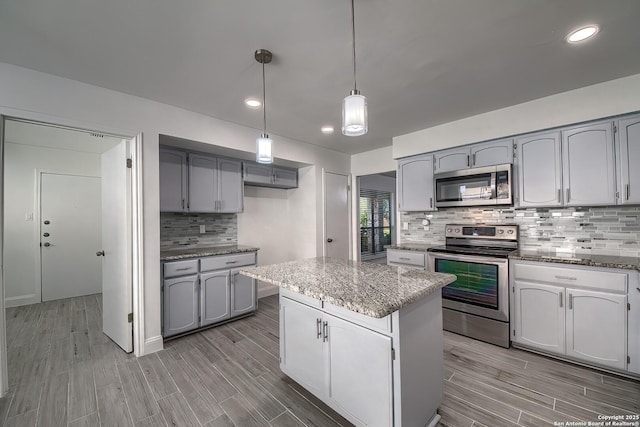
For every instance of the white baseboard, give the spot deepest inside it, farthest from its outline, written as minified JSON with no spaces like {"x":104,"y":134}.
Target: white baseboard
{"x":268,"y":291}
{"x":151,"y":345}
{"x":21,"y":300}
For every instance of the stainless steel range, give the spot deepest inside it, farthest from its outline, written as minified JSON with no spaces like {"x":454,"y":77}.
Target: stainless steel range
{"x":477,"y":303}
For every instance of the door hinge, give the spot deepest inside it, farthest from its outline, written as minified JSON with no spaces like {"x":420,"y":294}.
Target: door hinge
{"x":514,"y":332}
{"x":130,"y":318}
{"x":513,"y":289}
{"x":515,"y":147}
{"x":393,"y":354}
{"x":628,"y":306}
{"x":628,"y":359}
{"x":615,"y":128}
{"x":129,"y":163}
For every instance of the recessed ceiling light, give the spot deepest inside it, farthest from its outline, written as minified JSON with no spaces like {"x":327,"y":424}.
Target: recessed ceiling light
{"x":583,"y":33}
{"x":326,"y":129}
{"x":252,"y":102}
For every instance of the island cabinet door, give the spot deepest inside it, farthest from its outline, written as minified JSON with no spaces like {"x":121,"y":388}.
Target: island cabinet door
{"x":359,"y":373}
{"x":301,"y":355}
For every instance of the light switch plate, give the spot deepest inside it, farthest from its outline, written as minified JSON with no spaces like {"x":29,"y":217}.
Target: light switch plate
{"x":405,"y":225}
{"x":28,"y":216}
{"x":203,"y":229}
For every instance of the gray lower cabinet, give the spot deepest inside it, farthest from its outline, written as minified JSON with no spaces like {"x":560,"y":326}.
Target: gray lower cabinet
{"x":214,"y":294}
{"x":180,"y":313}
{"x":215,"y":299}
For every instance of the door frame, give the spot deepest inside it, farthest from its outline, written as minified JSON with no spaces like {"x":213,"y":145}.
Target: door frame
{"x":324,"y":212}
{"x":38,"y":223}
{"x":136,"y":218}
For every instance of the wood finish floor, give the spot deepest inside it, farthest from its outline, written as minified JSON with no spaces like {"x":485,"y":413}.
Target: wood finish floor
{"x":64,"y":371}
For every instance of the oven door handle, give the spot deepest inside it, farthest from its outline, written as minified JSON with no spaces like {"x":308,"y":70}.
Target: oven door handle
{"x":465,"y":258}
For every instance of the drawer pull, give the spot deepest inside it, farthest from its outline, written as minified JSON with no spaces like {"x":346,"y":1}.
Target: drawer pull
{"x":405,"y":259}
{"x":567,"y":277}
{"x":184,"y":268}
{"x":318,"y":328}
{"x":325,"y":336}
{"x":561,"y":298}
{"x":231,"y":262}
{"x":559,"y":195}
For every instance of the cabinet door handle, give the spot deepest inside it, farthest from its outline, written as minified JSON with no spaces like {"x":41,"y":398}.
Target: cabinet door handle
{"x":318,"y":328}
{"x":325,"y":335}
{"x":231,"y":262}
{"x":468,"y":161}
{"x":627,"y":191}
{"x":473,"y":159}
{"x":405,"y":259}
{"x":430,"y":202}
{"x":561,"y":298}
{"x":183,"y":269}
{"x":182,"y":203}
{"x":567,"y":277}
{"x":568,"y":194}
{"x":570,"y":302}
{"x":559,"y":195}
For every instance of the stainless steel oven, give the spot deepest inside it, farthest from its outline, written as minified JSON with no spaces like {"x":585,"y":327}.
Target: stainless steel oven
{"x":477,"y":303}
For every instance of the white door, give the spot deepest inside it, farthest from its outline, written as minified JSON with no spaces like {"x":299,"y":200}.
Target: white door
{"x":117,"y":247}
{"x":597,"y":327}
{"x":336,"y":215}
{"x":70,"y":217}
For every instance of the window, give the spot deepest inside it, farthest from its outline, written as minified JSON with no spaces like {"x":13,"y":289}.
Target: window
{"x":376,"y":223}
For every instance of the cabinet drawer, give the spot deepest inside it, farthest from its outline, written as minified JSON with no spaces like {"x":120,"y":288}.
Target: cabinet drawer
{"x":180,"y":268}
{"x":415,"y":259}
{"x":227,"y":261}
{"x":579,"y":277}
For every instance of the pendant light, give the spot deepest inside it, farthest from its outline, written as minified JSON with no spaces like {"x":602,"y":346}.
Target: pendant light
{"x":264,"y":144}
{"x":354,"y":106}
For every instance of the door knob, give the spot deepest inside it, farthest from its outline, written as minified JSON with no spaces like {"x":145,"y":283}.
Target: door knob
{"x":47,"y":244}
{"x":100,"y":253}
{"x":46,"y":234}
{"x":329,"y":240}
{"x":47,"y":222}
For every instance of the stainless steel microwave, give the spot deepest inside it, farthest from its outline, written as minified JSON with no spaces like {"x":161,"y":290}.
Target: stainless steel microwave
{"x":486,"y":186}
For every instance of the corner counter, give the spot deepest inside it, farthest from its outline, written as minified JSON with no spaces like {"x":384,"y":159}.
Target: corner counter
{"x":364,"y":338}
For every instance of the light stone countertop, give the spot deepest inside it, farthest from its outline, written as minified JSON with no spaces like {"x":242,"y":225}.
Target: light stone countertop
{"x":178,"y":254}
{"x":417,"y":247}
{"x":372,"y":289}
{"x":590,"y":260}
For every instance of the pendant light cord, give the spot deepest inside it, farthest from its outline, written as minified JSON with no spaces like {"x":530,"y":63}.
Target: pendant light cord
{"x":353,"y":34}
{"x":264,"y":99}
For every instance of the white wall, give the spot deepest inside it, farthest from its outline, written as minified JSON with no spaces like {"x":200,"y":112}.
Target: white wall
{"x":27,"y":93}
{"x":592,"y":102}
{"x":374,"y":161}
{"x":20,"y":249}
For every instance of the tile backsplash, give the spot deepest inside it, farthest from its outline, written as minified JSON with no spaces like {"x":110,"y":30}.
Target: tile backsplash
{"x":597,"y":230}
{"x":178,"y":230}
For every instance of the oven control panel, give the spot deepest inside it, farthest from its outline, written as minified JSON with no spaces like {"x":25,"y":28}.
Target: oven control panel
{"x":491,"y":232}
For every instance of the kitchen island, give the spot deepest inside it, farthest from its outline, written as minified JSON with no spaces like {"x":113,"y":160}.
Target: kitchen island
{"x":364,"y":338}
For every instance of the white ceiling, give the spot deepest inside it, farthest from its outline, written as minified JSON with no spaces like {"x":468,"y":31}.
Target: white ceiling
{"x":420,"y":62}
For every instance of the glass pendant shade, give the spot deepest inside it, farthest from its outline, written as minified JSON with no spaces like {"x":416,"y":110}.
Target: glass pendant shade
{"x":354,"y":115}
{"x":264,"y":153}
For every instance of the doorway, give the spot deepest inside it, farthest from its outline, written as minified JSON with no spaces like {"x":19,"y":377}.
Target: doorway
{"x":336,"y":215}
{"x":56,"y":157}
{"x":376,"y":215}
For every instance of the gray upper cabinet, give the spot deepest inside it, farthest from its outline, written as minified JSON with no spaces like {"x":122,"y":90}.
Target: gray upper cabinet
{"x":270,"y":176}
{"x":215,"y":184}
{"x":202,"y":183}
{"x":588,"y":165}
{"x":173,"y":180}
{"x":452,"y":160}
{"x":230,"y":188}
{"x":539,"y":170}
{"x":415,"y":183}
{"x":629,"y":159}
{"x":492,"y":153}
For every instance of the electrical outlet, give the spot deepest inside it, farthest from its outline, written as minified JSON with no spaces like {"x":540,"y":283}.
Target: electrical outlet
{"x":202,"y":229}
{"x":405,"y":225}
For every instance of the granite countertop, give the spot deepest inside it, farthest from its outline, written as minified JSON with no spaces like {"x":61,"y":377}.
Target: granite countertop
{"x":591,"y":260}
{"x":182,"y":253}
{"x":372,"y":289}
{"x":418,"y":247}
